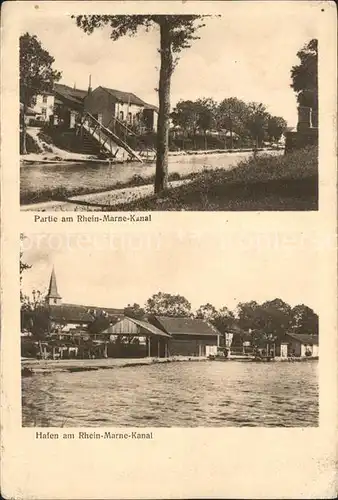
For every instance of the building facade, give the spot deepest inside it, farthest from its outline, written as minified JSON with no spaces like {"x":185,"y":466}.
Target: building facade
{"x":105,"y":104}
{"x":188,"y":336}
{"x":299,"y":346}
{"x":43,"y":106}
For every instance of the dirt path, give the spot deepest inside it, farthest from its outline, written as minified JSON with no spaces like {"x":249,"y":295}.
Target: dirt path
{"x":96,"y":201}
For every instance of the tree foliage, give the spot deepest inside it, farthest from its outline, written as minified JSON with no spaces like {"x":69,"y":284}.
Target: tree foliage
{"x":276,"y":125}
{"x":257,"y":122}
{"x":248,"y":121}
{"x":35,"y":315}
{"x":304,"y":320}
{"x":166,"y":304}
{"x":223,"y":319}
{"x":304,"y":75}
{"x":134,"y":311}
{"x":232,"y":114}
{"x":37,"y":74}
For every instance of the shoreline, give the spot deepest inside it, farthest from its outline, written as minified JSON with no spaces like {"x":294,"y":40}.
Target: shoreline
{"x":69,"y":159}
{"x":32,"y":366}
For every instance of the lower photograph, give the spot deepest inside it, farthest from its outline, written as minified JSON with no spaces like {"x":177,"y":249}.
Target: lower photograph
{"x":182,"y":331}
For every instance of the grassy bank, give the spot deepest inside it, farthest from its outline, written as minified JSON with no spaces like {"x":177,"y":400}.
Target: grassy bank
{"x":288,"y":182}
{"x":63,"y":193}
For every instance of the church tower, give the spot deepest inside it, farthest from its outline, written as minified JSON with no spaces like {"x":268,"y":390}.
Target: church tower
{"x":53,"y":298}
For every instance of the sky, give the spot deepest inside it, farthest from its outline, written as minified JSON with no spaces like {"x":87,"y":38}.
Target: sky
{"x":246,"y":53}
{"x":115,"y":269}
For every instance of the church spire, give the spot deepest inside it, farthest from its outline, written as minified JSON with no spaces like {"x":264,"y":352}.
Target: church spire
{"x":53,"y":297}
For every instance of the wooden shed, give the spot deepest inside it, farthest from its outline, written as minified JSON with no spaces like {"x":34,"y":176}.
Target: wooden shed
{"x":188,"y":336}
{"x":135,"y":338}
{"x":298,"y":345}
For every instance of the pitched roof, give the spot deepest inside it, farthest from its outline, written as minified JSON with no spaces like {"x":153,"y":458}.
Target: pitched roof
{"x":70,"y":312}
{"x":148,"y":326}
{"x":111,"y":311}
{"x":52,"y":290}
{"x":186,"y":326}
{"x":74,"y":96}
{"x":304,"y":338}
{"x":128,"y":97}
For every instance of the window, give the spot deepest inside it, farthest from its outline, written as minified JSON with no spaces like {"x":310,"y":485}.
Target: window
{"x":55,"y":301}
{"x":34,"y":101}
{"x":121,"y":116}
{"x":44,"y":112}
{"x":130,"y":118}
{"x":44,"y":98}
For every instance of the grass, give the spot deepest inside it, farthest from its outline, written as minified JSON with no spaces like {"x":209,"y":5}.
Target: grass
{"x":62,"y":193}
{"x":287,"y":182}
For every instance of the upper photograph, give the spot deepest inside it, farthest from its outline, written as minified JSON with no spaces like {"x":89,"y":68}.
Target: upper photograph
{"x":170,"y":112}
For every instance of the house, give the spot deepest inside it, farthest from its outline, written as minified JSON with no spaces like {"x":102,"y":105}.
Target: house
{"x":105,"y":104}
{"x":132,"y":337}
{"x":69,"y":105}
{"x":188,"y":337}
{"x":298,"y":345}
{"x":43,"y":106}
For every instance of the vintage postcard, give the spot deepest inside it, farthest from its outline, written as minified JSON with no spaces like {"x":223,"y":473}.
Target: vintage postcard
{"x":180,"y":340}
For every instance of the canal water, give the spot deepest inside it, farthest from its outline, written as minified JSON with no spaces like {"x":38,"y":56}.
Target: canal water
{"x":183,"y":394}
{"x":96,"y":176}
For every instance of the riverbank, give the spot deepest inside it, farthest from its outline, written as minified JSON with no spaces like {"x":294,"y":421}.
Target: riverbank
{"x":31,"y":367}
{"x":97,"y":200}
{"x":67,"y":183}
{"x":36,"y":366}
{"x":262,"y":182}
{"x":62,"y":156}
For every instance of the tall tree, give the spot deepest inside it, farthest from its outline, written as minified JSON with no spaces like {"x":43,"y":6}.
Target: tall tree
{"x":166,"y":304}
{"x":176,"y":33}
{"x":257,"y":122}
{"x":276,"y":127}
{"x":276,"y":315}
{"x":185,"y":115}
{"x":36,"y":75}
{"x":250,"y":316}
{"x":206,"y":116}
{"x":304,"y":78}
{"x":35,"y":315}
{"x":304,"y":320}
{"x":232,"y":115}
{"x":224,"y":320}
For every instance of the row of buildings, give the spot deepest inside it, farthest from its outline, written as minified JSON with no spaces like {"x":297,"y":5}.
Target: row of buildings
{"x":88,"y":331}
{"x":64,"y":105}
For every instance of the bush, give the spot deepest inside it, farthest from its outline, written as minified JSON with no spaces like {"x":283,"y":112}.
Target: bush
{"x":175,"y":176}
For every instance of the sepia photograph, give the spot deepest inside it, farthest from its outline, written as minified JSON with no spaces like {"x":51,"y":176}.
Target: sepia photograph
{"x":111,"y":338}
{"x":170,"y":112}
{"x":166,"y":344}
